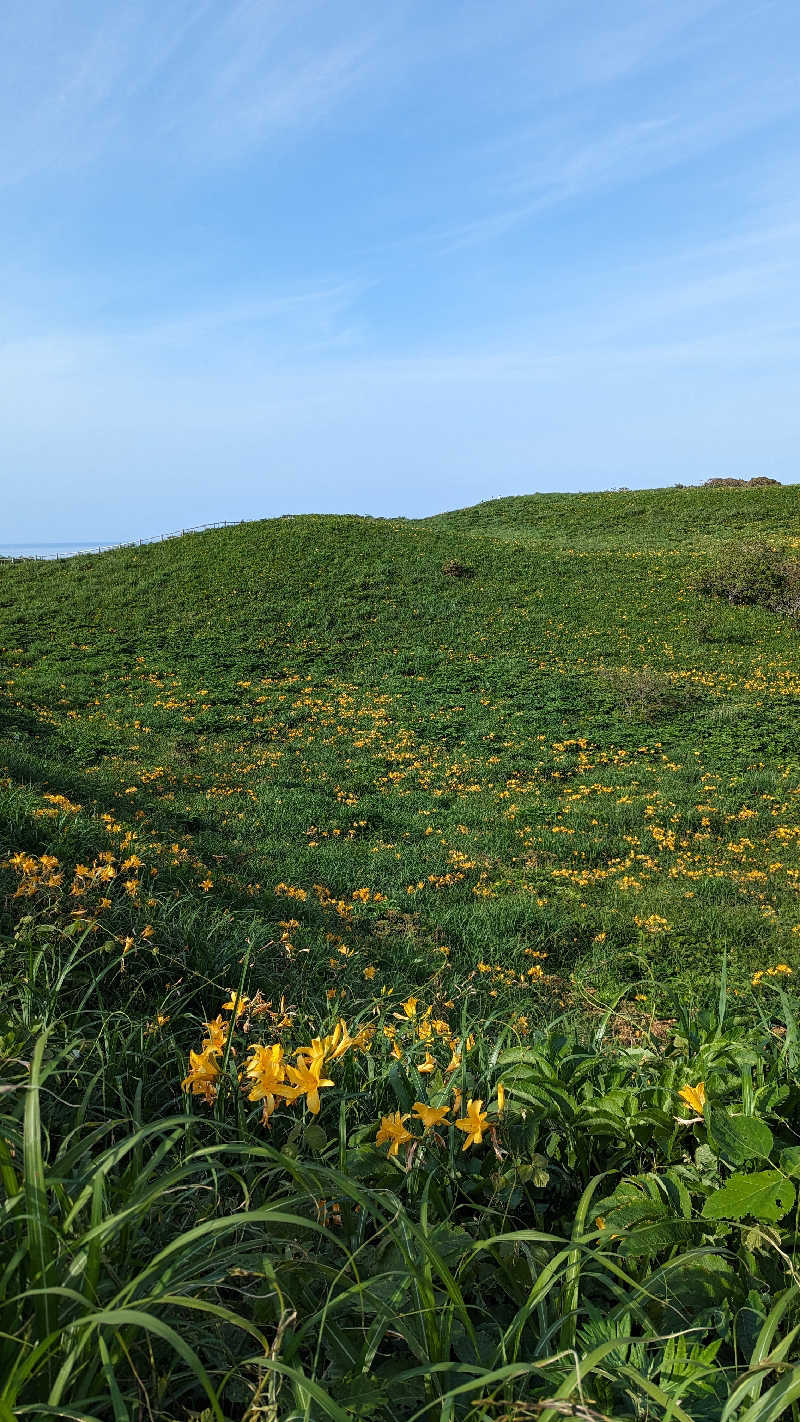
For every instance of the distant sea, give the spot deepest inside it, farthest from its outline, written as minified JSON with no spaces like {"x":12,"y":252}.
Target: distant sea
{"x":48,"y":550}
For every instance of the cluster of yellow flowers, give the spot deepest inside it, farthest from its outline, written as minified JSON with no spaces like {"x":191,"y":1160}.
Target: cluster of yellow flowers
{"x":35,"y":873}
{"x":654,"y":924}
{"x":45,"y":873}
{"x":781,"y":970}
{"x":418,"y":1027}
{"x":270,"y":1075}
{"x":474,"y":1124}
{"x":57,"y":805}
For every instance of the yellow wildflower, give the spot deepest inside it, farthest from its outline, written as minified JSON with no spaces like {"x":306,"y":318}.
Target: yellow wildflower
{"x":431,"y":1115}
{"x":232,"y":1004}
{"x":305,"y":1080}
{"x":392,"y":1128}
{"x":695,"y":1097}
{"x":409,"y":1009}
{"x":473,"y":1124}
{"x":338,"y":1042}
{"x":328,"y":1048}
{"x":203,"y":1074}
{"x":267,"y":1071}
{"x":217,"y":1034}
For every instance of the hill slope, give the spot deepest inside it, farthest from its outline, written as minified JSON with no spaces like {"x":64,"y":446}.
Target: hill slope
{"x":689,"y":518}
{"x":312,"y":700}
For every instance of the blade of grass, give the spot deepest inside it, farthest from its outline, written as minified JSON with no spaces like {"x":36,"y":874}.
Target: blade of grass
{"x":36,"y":1208}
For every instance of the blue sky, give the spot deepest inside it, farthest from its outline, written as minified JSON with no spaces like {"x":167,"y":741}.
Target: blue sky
{"x":272,"y":256}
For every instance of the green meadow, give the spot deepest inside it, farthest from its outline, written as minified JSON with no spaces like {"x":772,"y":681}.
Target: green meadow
{"x":486,"y":828}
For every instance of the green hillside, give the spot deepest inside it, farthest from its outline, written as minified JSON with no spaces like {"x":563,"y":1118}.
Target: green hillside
{"x":483,"y":785}
{"x":685,"y":518}
{"x":264,"y":692}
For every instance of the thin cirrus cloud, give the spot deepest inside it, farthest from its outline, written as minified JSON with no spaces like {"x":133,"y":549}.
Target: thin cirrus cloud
{"x":81,"y":81}
{"x":261,"y":256}
{"x":568,"y":156}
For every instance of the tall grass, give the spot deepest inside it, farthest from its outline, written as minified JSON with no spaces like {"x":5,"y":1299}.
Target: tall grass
{"x":193,"y":1263}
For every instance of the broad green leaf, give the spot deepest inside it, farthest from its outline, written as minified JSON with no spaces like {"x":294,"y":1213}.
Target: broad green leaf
{"x":315,"y":1138}
{"x":790,"y":1161}
{"x":765,"y":1194}
{"x":738,"y":1138}
{"x":655,"y":1236}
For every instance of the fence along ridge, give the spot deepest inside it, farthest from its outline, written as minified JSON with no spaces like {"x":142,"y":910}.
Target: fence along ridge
{"x":132,"y":543}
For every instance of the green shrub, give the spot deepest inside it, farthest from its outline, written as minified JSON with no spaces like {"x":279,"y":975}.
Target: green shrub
{"x":647,"y":692}
{"x":455,"y":569}
{"x":754,"y":573}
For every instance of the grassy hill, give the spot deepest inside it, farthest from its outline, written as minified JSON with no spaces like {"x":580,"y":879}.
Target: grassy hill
{"x":685,"y":518}
{"x":313,"y":700}
{"x":552,"y":790}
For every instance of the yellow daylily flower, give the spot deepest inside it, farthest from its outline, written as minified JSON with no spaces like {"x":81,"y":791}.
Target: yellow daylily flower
{"x":267,"y":1071}
{"x":392,"y":1128}
{"x":341,"y":1041}
{"x":315,"y":1053}
{"x":409,"y":1009}
{"x":473,"y":1124}
{"x":431,"y":1115}
{"x":695,"y":1097}
{"x":217,"y":1034}
{"x":232,"y":1004}
{"x":305,"y":1080}
{"x":203,"y":1074}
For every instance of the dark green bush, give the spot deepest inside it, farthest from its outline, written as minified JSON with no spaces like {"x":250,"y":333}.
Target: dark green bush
{"x":647,"y":692}
{"x":454,"y":569}
{"x":754,"y":573}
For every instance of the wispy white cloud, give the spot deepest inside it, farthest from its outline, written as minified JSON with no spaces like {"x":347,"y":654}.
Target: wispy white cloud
{"x":293,"y":325}
{"x":428,"y":312}
{"x":633,"y":98}
{"x":83,"y":80}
